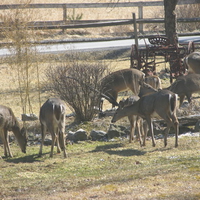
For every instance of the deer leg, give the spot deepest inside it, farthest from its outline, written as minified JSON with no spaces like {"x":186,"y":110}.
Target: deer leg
{"x":166,"y":134}
{"x":43,"y":129}
{"x":149,"y":122}
{"x":145,"y":131}
{"x":5,"y":138}
{"x":7,"y":144}
{"x":176,"y":127}
{"x":54,"y":138}
{"x":139,"y":127}
{"x":182,"y":97}
{"x":63,"y":143}
{"x":132,"y":130}
{"x":58,"y":140}
{"x":62,"y":137}
{"x":189,"y":97}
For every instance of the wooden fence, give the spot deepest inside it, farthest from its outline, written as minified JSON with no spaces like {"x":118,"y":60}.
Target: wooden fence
{"x":64,"y":24}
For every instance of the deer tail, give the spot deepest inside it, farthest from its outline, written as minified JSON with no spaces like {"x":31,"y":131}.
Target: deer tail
{"x":58,"y":111}
{"x":173,"y":99}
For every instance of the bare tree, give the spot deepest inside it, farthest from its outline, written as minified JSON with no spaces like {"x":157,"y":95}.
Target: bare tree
{"x":16,"y":31}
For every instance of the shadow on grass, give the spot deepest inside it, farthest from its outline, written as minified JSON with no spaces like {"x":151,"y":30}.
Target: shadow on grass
{"x":111,"y":149}
{"x":126,"y":152}
{"x":25,"y":159}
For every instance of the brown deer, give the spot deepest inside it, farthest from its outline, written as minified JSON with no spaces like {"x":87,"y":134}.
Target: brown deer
{"x":135,"y":121}
{"x":121,"y":80}
{"x":186,"y":86}
{"x":52,"y":118}
{"x":8,"y":122}
{"x":192,"y":62}
{"x":163,"y":103}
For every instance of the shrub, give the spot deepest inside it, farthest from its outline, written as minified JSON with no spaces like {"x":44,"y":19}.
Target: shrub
{"x":78,"y":85}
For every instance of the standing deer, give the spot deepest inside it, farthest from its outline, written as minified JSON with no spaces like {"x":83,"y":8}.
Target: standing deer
{"x":192,"y":62}
{"x":121,"y":80}
{"x":52,"y":118}
{"x":8,"y":122}
{"x":163,"y":103}
{"x":186,"y":86}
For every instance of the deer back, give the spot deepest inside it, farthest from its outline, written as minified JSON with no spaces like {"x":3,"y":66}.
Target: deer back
{"x":122,"y":80}
{"x":165,"y":103}
{"x":186,"y":84}
{"x":192,"y":61}
{"x":52,"y":112}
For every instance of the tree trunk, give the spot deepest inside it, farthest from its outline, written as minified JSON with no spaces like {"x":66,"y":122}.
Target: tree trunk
{"x":170,"y":20}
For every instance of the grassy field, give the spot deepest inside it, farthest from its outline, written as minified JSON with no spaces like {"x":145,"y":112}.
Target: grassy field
{"x":105,"y":170}
{"x":93,"y":170}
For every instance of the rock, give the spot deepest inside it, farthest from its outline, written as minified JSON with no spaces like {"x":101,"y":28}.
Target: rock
{"x":29,"y":117}
{"x":98,"y":135}
{"x":117,"y":131}
{"x":70,"y":136}
{"x":80,"y":135}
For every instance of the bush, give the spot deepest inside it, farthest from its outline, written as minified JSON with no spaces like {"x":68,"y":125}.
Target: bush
{"x":78,"y":85}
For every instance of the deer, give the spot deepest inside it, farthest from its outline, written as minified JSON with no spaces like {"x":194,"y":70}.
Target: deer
{"x":136,"y":122}
{"x":185,"y":86}
{"x":8,"y":122}
{"x":192,"y":62}
{"x":121,"y":80}
{"x":163,"y":103}
{"x":52,"y":118}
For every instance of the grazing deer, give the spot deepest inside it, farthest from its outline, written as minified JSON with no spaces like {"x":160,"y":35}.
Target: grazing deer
{"x":8,"y":122}
{"x":186,"y":86}
{"x":121,"y":80}
{"x":135,"y":121}
{"x":163,"y":103}
{"x":52,"y":118}
{"x":192,"y":62}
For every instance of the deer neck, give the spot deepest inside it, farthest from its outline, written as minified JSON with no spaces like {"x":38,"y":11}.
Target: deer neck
{"x":17,"y":132}
{"x":133,"y":109}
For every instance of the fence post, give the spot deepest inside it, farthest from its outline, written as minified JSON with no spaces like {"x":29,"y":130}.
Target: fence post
{"x":140,"y":14}
{"x":135,"y":30}
{"x":64,"y":15}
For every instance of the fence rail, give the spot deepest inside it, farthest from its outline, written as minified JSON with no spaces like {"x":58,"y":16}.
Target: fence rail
{"x":64,"y":24}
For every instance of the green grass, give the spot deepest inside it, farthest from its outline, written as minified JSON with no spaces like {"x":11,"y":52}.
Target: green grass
{"x":104,"y":170}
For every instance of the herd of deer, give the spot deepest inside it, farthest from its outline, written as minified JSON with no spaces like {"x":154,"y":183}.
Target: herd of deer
{"x":148,"y":100}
